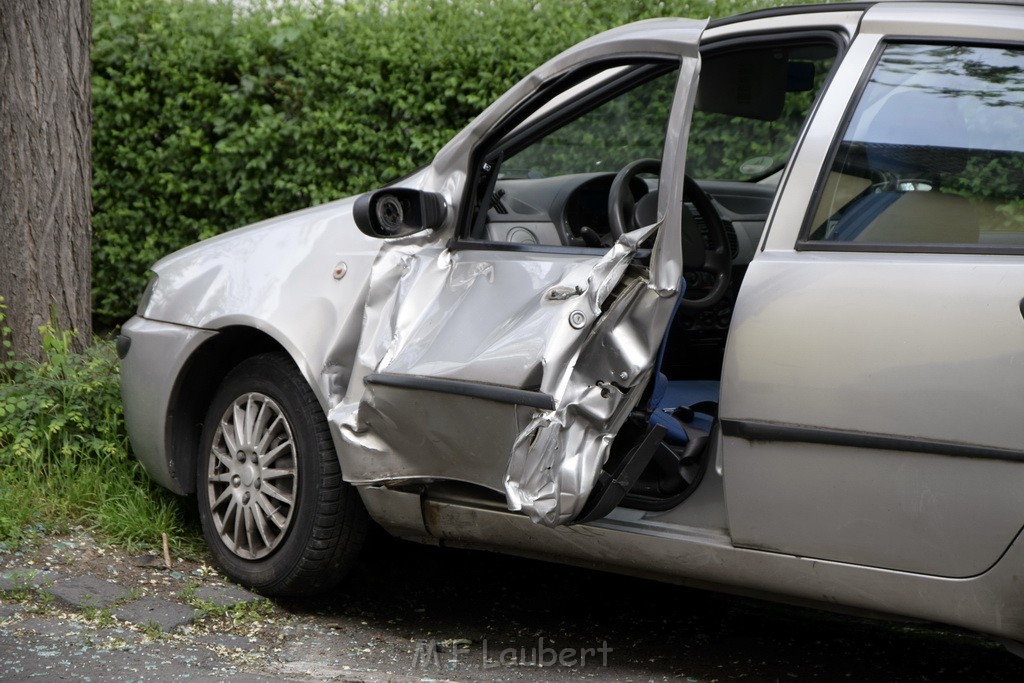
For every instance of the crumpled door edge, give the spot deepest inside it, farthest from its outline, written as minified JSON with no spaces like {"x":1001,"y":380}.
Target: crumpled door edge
{"x":556,"y":459}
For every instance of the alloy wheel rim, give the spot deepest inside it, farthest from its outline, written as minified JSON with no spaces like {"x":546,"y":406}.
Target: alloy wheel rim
{"x":252,"y":479}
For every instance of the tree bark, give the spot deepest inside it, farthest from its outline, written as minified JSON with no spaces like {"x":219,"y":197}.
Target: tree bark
{"x":45,"y":169}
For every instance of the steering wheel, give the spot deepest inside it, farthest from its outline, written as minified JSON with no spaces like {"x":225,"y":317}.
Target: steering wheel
{"x":624,"y":214}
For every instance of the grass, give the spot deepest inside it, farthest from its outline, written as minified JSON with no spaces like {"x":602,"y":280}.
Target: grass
{"x":64,"y":452}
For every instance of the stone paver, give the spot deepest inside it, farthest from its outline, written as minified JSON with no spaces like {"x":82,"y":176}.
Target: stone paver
{"x":225,"y":596}
{"x":88,"y":592}
{"x":49,"y":627}
{"x":163,"y":614}
{"x":26,"y":578}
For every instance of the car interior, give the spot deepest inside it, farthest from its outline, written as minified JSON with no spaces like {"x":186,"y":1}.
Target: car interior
{"x":583,"y":169}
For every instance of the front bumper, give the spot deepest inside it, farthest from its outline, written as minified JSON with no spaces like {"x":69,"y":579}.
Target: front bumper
{"x":155,"y":355}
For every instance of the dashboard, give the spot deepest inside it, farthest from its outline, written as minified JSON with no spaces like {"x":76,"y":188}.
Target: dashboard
{"x":572,"y":210}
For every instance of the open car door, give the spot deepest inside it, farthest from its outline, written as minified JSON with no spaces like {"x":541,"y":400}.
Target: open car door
{"x":507,"y":352}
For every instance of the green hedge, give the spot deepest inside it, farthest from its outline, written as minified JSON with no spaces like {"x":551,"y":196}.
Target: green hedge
{"x":209,"y":116}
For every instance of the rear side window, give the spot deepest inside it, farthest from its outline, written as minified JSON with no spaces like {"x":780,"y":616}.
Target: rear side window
{"x":933,"y":155}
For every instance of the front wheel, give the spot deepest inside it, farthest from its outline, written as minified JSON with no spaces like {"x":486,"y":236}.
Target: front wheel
{"x":275,"y":511}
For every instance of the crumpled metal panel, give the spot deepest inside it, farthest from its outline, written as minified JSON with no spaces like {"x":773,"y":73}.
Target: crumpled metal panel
{"x":556,"y":460}
{"x":479,"y":316}
{"x":278,"y":277}
{"x":429,"y":313}
{"x":567,"y":325}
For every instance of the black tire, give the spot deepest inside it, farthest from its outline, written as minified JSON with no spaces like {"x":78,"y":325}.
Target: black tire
{"x":296,"y":548}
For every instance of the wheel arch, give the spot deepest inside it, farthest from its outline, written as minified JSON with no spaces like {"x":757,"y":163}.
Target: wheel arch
{"x":201,"y":376}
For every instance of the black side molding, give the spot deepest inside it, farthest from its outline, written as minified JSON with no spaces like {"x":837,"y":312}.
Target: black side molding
{"x":770,"y":431}
{"x":459,"y":387}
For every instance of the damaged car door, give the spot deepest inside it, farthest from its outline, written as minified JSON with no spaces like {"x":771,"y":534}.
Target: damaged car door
{"x":506,"y":348}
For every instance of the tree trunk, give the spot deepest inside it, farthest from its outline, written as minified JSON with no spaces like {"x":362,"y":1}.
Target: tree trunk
{"x":45,"y":170}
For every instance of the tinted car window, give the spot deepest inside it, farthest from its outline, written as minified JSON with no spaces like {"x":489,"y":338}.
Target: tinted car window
{"x":933,"y":153}
{"x":751,"y":105}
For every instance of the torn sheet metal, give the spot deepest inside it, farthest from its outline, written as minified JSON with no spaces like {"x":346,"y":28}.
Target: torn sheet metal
{"x":556,"y":460}
{"x":541,"y":322}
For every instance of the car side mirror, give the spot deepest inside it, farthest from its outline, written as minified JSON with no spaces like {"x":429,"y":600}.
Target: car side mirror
{"x":396,"y":212}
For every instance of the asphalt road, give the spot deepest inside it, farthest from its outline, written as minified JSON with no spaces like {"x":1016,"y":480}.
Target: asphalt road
{"x":420,"y":613}
{"x":464,"y":602}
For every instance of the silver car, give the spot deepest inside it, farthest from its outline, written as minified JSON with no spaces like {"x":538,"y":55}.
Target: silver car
{"x":736,"y":304}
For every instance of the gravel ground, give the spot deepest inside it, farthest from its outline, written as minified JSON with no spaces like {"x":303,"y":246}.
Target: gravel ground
{"x":418,"y":613}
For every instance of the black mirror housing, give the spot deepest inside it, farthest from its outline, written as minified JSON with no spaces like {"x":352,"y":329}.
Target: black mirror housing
{"x":396,"y":212}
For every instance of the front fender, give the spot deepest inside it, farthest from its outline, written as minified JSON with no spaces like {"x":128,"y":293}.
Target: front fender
{"x":300,"y":278}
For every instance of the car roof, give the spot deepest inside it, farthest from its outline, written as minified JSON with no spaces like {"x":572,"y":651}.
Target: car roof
{"x":814,"y":8}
